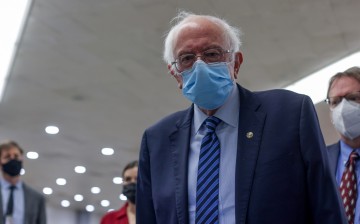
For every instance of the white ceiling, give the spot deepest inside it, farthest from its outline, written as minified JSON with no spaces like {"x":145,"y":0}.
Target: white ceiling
{"x":94,"y":69}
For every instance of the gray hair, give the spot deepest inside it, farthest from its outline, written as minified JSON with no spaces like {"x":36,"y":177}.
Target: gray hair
{"x":231,"y":34}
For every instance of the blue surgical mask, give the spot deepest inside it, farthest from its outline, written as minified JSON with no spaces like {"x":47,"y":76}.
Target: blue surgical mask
{"x":207,"y":85}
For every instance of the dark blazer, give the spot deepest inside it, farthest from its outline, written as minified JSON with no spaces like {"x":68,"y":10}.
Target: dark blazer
{"x":34,"y":207}
{"x":334,"y":153}
{"x":282,"y":172}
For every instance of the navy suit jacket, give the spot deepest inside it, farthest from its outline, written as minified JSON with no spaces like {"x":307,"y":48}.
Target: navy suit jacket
{"x":282,"y":172}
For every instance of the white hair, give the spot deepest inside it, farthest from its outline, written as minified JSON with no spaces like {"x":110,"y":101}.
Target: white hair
{"x":231,"y":34}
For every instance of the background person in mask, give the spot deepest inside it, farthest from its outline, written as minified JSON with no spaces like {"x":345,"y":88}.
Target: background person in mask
{"x":343,"y":97}
{"x":126,"y":214}
{"x":233,"y":156}
{"x":24,"y":204}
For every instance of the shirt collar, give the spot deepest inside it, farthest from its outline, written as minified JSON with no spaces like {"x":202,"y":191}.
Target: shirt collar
{"x":6,"y":185}
{"x":228,"y":113}
{"x":346,"y":150}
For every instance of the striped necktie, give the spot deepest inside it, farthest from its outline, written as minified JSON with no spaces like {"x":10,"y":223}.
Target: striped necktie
{"x":207,"y":189}
{"x":348,"y":189}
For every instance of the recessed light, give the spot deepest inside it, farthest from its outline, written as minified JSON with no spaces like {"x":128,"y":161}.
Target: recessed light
{"x":80,"y":169}
{"x":105,"y":203}
{"x":65,"y":203}
{"x":107,"y":151}
{"x":90,"y":208}
{"x":95,"y":190}
{"x":122,"y":197}
{"x":78,"y":197}
{"x":47,"y":190}
{"x":32,"y":155}
{"x":60,"y":181}
{"x":117,"y":180}
{"x":52,"y":130}
{"x":22,"y":171}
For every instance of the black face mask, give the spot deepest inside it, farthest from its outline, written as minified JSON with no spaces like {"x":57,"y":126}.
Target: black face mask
{"x":13,"y":167}
{"x":129,"y":190}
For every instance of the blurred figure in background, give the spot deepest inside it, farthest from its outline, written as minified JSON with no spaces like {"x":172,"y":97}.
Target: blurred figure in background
{"x":19,"y":203}
{"x":343,"y":97}
{"x":126,"y":214}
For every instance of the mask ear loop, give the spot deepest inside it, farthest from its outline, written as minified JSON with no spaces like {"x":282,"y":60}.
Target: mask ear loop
{"x":175,"y":74}
{"x":232,"y":63}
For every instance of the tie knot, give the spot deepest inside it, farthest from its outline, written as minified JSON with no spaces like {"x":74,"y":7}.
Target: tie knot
{"x":353,"y":157}
{"x":12,"y":187}
{"x":211,"y":123}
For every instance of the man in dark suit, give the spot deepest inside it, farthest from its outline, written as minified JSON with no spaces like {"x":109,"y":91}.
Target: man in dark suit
{"x":234,"y":156}
{"x":20,"y":204}
{"x":343,"y":97}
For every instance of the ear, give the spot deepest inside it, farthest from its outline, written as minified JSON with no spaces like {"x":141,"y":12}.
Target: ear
{"x":238,"y":62}
{"x":174,"y":74}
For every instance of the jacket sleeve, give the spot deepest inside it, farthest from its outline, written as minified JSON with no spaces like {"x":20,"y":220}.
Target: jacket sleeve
{"x":145,"y":213}
{"x":324,"y":199}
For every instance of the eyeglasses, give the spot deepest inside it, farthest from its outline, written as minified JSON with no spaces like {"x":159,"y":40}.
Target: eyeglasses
{"x":352,"y":97}
{"x":213,"y":55}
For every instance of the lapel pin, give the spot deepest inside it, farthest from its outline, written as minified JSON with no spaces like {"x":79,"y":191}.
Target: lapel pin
{"x":249,"y":134}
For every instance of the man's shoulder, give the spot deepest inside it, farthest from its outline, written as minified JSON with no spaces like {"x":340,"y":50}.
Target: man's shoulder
{"x":281,"y":100}
{"x":31,"y":191}
{"x":280,"y":94}
{"x":171,"y":120}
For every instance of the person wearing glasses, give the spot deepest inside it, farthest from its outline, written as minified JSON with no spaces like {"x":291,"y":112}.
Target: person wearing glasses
{"x":343,"y":97}
{"x":233,"y":156}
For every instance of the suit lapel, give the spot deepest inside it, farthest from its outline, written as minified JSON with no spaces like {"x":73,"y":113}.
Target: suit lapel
{"x":334,"y":152}
{"x":251,"y":123}
{"x":179,"y":145}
